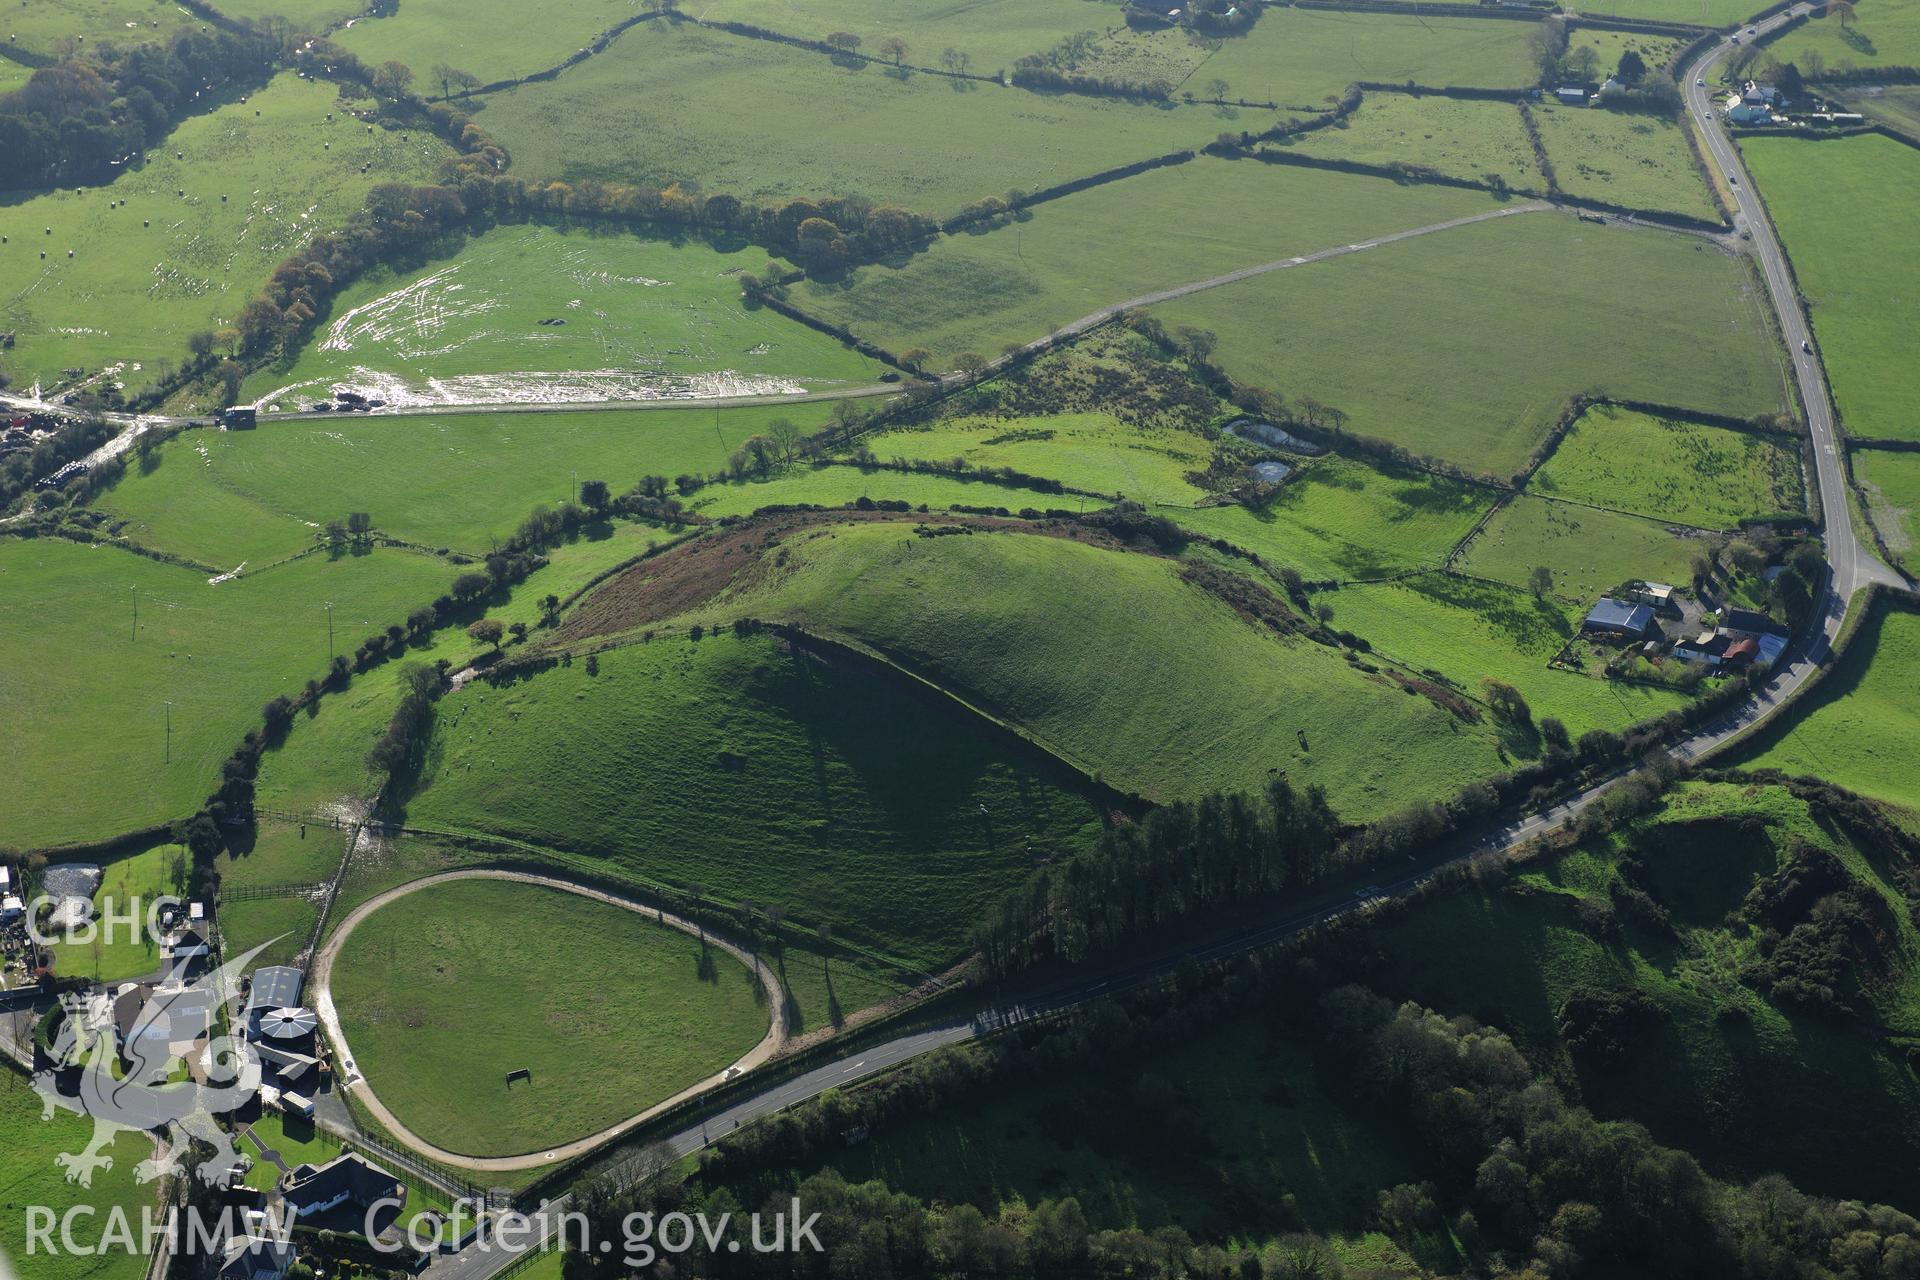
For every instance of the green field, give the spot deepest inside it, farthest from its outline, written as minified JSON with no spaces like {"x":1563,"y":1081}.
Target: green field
{"x":1630,"y":158}
{"x":764,"y":122}
{"x":1307,"y":57}
{"x":1465,"y":344}
{"x":57,"y":28}
{"x":100,"y":693}
{"x":1714,"y":1063}
{"x":1673,"y":470}
{"x":1892,"y":482}
{"x":1110,"y":660}
{"x":643,"y":319}
{"x":222,"y":497}
{"x":994,"y":33}
{"x":146,"y":274}
{"x":280,"y":926}
{"x":306,"y":15}
{"x":1455,"y":137}
{"x":1897,"y":105}
{"x":29,"y":1175}
{"x":1471,"y":631}
{"x":1858,"y":726}
{"x":762,"y":777}
{"x":322,"y":765}
{"x":490,"y":38}
{"x":1340,"y":519}
{"x":444,"y":992}
{"x":1607,"y":46}
{"x":1885,"y":34}
{"x":1703,"y":13}
{"x":1091,"y":451}
{"x":1076,"y":255}
{"x":1838,"y":205}
{"x":1590,"y":551}
{"x":130,"y":883}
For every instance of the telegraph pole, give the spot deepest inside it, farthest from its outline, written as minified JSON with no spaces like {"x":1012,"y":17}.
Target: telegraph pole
{"x":329,"y":631}
{"x":169,"y":758}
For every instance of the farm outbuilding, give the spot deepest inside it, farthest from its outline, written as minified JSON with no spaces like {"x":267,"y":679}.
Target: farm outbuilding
{"x":1621,"y":618}
{"x":1657,"y":594}
{"x":274,"y":987}
{"x":1748,"y":622}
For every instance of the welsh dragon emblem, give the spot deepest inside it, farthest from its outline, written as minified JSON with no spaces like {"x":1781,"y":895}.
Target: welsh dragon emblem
{"x":137,"y":1081}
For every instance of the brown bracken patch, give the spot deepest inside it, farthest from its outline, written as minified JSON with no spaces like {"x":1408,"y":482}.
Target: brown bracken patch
{"x":727,"y":561}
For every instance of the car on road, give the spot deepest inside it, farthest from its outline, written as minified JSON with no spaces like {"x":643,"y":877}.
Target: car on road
{"x":1806,"y":346}
{"x":1700,"y":81}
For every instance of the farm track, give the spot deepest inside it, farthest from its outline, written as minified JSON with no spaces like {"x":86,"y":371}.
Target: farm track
{"x":1095,"y":318}
{"x":352,"y":1080}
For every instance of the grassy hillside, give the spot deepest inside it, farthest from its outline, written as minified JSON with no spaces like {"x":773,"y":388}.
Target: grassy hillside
{"x":836,"y":486}
{"x":761,"y":776}
{"x":196,"y":236}
{"x":1464,"y":344}
{"x":765,"y":122}
{"x":1235,"y":1134}
{"x":444,"y":992}
{"x":980,"y":290}
{"x":1659,"y":927}
{"x":528,"y":313}
{"x":1111,"y":660}
{"x":224,"y":496}
{"x":1092,"y":451}
{"x":47,"y":28}
{"x":91,"y":751}
{"x":1340,"y":519}
{"x":1862,"y":285}
{"x":1471,"y":631}
{"x":1669,"y":469}
{"x":1858,"y":727}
